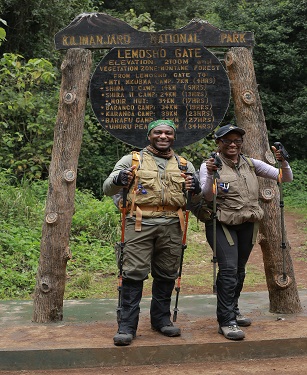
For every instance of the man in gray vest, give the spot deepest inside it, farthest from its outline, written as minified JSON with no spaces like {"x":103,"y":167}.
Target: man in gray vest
{"x":238,"y":214}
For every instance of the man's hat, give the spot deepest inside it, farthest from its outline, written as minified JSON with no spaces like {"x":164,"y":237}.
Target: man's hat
{"x":153,"y":124}
{"x":227,"y":129}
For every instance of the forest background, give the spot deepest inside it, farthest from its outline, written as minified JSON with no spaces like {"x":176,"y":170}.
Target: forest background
{"x":30,"y":77}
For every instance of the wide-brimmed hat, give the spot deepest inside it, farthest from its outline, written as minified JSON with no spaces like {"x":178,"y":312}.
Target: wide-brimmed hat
{"x":227,"y":129}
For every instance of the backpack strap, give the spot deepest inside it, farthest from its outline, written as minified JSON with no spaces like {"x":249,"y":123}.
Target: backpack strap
{"x":182,"y":163}
{"x":137,"y":158}
{"x":137,"y":161}
{"x":249,"y":162}
{"x":227,"y":234}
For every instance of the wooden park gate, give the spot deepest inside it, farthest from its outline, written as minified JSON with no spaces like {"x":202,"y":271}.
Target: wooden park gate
{"x":149,"y":75}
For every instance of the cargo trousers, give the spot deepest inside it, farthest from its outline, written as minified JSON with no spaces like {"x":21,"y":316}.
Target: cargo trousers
{"x":157,"y":250}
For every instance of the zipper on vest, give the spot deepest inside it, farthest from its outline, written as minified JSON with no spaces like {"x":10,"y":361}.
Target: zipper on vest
{"x":161,"y":182}
{"x":237,"y":170}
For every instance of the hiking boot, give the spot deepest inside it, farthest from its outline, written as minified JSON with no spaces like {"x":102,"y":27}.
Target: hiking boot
{"x":243,"y":321}
{"x":123,"y":339}
{"x":170,"y":330}
{"x":232,"y":332}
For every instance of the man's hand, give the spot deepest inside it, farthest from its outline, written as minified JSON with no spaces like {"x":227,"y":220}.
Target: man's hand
{"x":125,"y":177}
{"x":211,"y":165}
{"x":280,"y":152}
{"x":191,"y":182}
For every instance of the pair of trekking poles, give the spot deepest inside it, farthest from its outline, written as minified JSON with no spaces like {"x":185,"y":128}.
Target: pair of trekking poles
{"x":282,"y":280}
{"x":122,"y":245}
{"x":218,"y":163}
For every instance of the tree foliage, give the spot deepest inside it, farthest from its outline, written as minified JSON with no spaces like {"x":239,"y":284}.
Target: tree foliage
{"x":32,"y":24}
{"x":30,"y":78}
{"x":280,"y":63}
{"x":28,"y":103}
{"x":2,"y":31}
{"x":279,"y":54}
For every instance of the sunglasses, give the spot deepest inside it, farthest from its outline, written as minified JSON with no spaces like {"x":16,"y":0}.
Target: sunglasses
{"x":228,"y":142}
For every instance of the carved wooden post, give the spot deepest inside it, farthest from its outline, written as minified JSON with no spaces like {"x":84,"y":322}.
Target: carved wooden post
{"x":55,"y":252}
{"x":249,"y":116}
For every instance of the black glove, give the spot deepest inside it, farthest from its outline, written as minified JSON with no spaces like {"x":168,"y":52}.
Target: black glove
{"x":195,"y":185}
{"x":283,"y":151}
{"x":217,"y":159}
{"x":121,"y":179}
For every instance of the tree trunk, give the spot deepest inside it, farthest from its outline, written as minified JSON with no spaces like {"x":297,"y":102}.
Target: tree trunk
{"x":54,"y":251}
{"x":283,"y":292}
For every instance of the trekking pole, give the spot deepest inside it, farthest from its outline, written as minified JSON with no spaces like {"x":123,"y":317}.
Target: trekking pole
{"x":122,"y":245}
{"x":282,"y":280}
{"x":218,"y":163}
{"x":184,"y":246}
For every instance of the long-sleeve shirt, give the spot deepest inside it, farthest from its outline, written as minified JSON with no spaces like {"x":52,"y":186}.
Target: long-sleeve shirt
{"x":262,"y":169}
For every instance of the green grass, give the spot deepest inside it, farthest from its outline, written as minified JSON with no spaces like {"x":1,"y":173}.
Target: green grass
{"x":92,"y":271}
{"x":254,"y":276}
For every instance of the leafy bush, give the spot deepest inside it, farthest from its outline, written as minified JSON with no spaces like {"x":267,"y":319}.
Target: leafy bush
{"x":21,"y":218}
{"x":295,"y":192}
{"x":93,"y":234}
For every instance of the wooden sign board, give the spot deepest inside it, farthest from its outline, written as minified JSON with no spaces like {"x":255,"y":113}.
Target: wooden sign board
{"x":132,"y":87}
{"x":155,"y":75}
{"x":99,"y":30}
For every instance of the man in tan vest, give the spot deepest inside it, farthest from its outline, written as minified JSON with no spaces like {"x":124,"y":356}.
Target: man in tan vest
{"x":156,"y":198}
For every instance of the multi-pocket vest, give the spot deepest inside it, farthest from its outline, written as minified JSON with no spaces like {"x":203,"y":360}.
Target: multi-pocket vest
{"x":156,"y":193}
{"x":237,"y":195}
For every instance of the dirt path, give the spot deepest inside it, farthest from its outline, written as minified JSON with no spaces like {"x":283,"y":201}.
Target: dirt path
{"x":255,"y":278}
{"x":297,"y":237}
{"x":280,"y":366}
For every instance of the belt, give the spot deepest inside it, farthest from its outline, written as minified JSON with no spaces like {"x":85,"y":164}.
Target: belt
{"x":167,"y":208}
